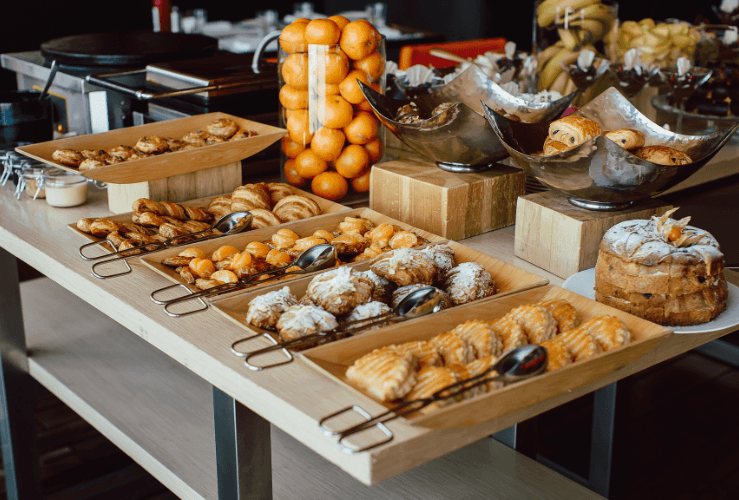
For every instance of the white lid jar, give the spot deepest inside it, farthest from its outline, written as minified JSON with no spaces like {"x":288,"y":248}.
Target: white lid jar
{"x":65,"y":189}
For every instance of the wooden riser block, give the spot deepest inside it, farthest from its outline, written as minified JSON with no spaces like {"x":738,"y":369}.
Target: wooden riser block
{"x":455,"y":206}
{"x":563,"y":239}
{"x":178,"y":188}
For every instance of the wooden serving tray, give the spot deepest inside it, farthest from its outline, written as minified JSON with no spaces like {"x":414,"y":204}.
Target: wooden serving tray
{"x":327,"y":207}
{"x":164,"y":165}
{"x":303,"y":228}
{"x":508,"y":279}
{"x":334,"y":359}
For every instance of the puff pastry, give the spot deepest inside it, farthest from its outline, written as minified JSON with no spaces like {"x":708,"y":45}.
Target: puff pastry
{"x":453,"y":349}
{"x":552,"y":147}
{"x":248,"y":197}
{"x":481,"y":336}
{"x":340,"y":290}
{"x":573,"y":130}
{"x":265,"y":310}
{"x":405,"y":266}
{"x":538,"y":324}
{"x":429,"y":380}
{"x":152,"y":144}
{"x":223,"y":128}
{"x":263,"y":218}
{"x":557,"y":353}
{"x":467,"y":282}
{"x":383,"y":289}
{"x":301,"y":320}
{"x":626,"y":138}
{"x":278,"y":191}
{"x":563,"y":312}
{"x":663,"y":155}
{"x":510,"y":332}
{"x":68,"y":157}
{"x":385,"y":374}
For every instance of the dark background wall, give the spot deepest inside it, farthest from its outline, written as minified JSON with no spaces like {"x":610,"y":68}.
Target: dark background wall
{"x":27,"y":25}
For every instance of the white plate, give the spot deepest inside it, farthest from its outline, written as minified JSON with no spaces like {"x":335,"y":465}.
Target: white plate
{"x":583,"y":283}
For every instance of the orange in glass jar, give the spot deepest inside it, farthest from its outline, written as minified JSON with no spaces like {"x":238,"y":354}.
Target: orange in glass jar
{"x":298,"y":127}
{"x":292,"y":98}
{"x":337,"y":66}
{"x":350,"y":88}
{"x":361,"y":183}
{"x":308,"y":164}
{"x":291,"y":176}
{"x":295,"y":70}
{"x":334,"y":111}
{"x":330,"y":185}
{"x":322,"y":32}
{"x":352,"y":161}
{"x":374,"y":149}
{"x":328,"y":143}
{"x":292,"y":38}
{"x":373,"y":65}
{"x":291,"y":148}
{"x":340,"y":21}
{"x":362,"y":129}
{"x":359,"y":39}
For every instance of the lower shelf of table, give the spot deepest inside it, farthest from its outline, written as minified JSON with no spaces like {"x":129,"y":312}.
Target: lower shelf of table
{"x":161,"y":414}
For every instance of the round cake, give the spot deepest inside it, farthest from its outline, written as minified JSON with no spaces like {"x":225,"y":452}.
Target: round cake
{"x":661,"y":270}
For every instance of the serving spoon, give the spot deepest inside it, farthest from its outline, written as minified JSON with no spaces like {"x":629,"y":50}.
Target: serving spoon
{"x":418,"y":303}
{"x":232,"y":223}
{"x":311,"y":260}
{"x":514,"y":366}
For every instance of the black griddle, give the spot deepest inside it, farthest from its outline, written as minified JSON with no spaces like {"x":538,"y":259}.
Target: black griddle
{"x":127,"y":49}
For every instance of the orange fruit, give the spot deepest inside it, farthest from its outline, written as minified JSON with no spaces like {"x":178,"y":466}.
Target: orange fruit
{"x":332,"y":89}
{"x":374,"y":149}
{"x":334,"y":111}
{"x":363,"y":106}
{"x":292,"y":98}
{"x":322,"y":32}
{"x":361,"y":183}
{"x":373,"y":65}
{"x":292,"y":38}
{"x":291,"y":176}
{"x":329,"y":185}
{"x":350,"y":88}
{"x":308,"y":164}
{"x":295,"y":71}
{"x":340,"y":21}
{"x":291,"y":148}
{"x":303,"y":20}
{"x":352,"y":161}
{"x":337,"y":66}
{"x":362,"y":129}
{"x":359,"y":39}
{"x":328,"y":143}
{"x":298,"y":127}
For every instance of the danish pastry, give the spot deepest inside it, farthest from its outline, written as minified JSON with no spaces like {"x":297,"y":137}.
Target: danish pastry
{"x":467,"y":282}
{"x":384,"y":373}
{"x":537,"y":323}
{"x":563,"y":312}
{"x":626,"y":138}
{"x":580,"y":343}
{"x":265,"y":310}
{"x":295,"y":207}
{"x":453,"y":349}
{"x":404,"y":239}
{"x":510,"y":332}
{"x":299,"y":320}
{"x":68,"y":157}
{"x":340,"y":290}
{"x":381,"y":234}
{"x":405,"y":266}
{"x":152,"y":144}
{"x":382,"y":289}
{"x":573,"y":130}
{"x":429,"y":380}
{"x":304,"y":244}
{"x":481,"y":337}
{"x":223,"y":128}
{"x":557,"y":354}
{"x":663,"y":155}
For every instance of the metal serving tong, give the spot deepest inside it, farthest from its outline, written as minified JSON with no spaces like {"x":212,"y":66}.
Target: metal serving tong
{"x":314,"y":259}
{"x":514,"y":366}
{"x":418,"y":303}
{"x":232,"y":223}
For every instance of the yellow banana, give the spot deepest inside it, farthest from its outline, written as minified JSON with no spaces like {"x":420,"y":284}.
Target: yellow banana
{"x":570,"y":87}
{"x":546,"y":54}
{"x":599,"y":11}
{"x":549,"y":10}
{"x":568,"y":37}
{"x":594,"y":28}
{"x":560,"y":84}
{"x":554,"y":67}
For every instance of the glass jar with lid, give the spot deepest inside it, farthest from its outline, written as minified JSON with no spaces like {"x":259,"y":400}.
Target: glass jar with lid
{"x":65,"y":189}
{"x":32,"y":181}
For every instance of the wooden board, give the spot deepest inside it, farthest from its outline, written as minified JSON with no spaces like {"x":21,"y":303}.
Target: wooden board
{"x":508,"y":280}
{"x":454,"y":206}
{"x":334,"y":359}
{"x":564,"y":239}
{"x":164,"y":165}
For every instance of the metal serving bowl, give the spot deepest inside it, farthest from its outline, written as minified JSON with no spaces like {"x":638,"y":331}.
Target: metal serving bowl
{"x":458,"y":139}
{"x":599,"y":174}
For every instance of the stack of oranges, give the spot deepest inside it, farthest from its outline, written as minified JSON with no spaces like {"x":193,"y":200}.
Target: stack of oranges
{"x":332,"y":139}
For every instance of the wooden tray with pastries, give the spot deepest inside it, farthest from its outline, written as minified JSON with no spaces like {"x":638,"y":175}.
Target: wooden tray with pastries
{"x":336,"y":358}
{"x":497,"y":279}
{"x":219,"y":205}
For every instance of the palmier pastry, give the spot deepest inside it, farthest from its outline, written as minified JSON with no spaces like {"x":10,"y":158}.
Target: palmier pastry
{"x":295,"y":207}
{"x":248,"y":197}
{"x":220,"y":206}
{"x":536,"y":322}
{"x":366,"y":311}
{"x":263,"y":218}
{"x":265,"y":310}
{"x":68,"y":157}
{"x":573,"y":130}
{"x":340,"y":290}
{"x":404,"y":291}
{"x":223,"y":128}
{"x":552,"y":147}
{"x":467,"y":282}
{"x":663,"y":155}
{"x":384,"y":373}
{"x":557,"y":354}
{"x":120,"y":153}
{"x":563,"y":312}
{"x":453,"y":349}
{"x":152,"y":144}
{"x":481,"y":336}
{"x":299,"y":321}
{"x":429,"y":380}
{"x":626,"y":138}
{"x":350,"y":244}
{"x":382,"y":290}
{"x":278,"y":191}
{"x":405,"y":266}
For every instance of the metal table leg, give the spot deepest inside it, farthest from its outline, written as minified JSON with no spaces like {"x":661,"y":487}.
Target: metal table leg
{"x":17,"y":429}
{"x":243,"y":450}
{"x":522,"y":437}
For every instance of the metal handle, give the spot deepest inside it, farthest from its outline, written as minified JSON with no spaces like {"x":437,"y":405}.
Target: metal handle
{"x":145,"y":248}
{"x":269,"y":37}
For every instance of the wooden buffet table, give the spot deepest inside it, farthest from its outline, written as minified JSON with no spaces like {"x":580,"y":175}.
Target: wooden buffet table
{"x":170,"y":394}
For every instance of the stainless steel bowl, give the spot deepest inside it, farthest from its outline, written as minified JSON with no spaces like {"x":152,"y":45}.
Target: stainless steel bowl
{"x":599,"y":174}
{"x":459,"y":140}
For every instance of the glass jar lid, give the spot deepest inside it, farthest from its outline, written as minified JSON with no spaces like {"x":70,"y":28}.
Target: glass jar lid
{"x":61,"y":178}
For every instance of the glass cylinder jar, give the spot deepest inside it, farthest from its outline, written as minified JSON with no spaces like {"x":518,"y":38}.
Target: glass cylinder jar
{"x":33,"y":181}
{"x":334,"y":137}
{"x":65,"y":189}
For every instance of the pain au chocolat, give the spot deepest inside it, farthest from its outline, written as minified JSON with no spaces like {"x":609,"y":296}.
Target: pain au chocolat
{"x":662,"y":270}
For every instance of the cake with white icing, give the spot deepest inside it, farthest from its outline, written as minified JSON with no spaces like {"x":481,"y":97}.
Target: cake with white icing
{"x":662,"y":270}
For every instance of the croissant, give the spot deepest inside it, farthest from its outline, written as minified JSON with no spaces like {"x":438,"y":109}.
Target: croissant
{"x":663,"y":155}
{"x":552,"y":147}
{"x":248,"y":197}
{"x":101,"y":227}
{"x":170,"y":209}
{"x":573,"y":130}
{"x":220,"y":206}
{"x":626,"y":138}
{"x":278,"y":191}
{"x":263,"y":218}
{"x":296,"y":207}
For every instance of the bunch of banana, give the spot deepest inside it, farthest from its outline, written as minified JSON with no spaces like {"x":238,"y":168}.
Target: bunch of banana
{"x":580,"y":24}
{"x":661,"y":44}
